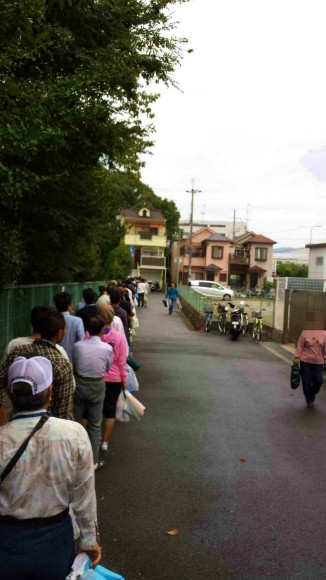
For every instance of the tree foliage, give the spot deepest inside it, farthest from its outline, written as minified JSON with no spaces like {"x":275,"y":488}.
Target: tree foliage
{"x":292,"y":270}
{"x":74,"y":94}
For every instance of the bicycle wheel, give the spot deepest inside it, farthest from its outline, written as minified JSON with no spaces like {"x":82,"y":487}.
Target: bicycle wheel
{"x":208,"y":323}
{"x":245,"y":326}
{"x":258,"y":334}
{"x":221,"y":323}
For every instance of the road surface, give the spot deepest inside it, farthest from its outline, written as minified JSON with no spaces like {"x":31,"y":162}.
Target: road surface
{"x":227,"y":457}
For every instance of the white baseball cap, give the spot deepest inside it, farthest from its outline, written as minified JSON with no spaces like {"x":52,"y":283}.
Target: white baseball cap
{"x":35,"y":371}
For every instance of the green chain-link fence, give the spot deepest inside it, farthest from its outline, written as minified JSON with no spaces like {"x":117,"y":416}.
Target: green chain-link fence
{"x":16,"y":304}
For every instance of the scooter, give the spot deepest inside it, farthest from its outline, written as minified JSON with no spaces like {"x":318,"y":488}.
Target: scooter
{"x":239,"y":320}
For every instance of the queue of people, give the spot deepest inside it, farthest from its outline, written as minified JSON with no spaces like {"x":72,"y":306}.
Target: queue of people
{"x":63,"y":381}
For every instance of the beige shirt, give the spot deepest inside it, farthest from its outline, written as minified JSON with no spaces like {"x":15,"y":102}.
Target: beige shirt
{"x":22,"y":340}
{"x":55,"y":471}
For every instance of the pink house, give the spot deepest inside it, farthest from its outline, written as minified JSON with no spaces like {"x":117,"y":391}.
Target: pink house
{"x":245,"y":261}
{"x":210,"y":257}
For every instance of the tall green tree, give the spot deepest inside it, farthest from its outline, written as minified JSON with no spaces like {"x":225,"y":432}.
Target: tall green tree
{"x":73,"y":98}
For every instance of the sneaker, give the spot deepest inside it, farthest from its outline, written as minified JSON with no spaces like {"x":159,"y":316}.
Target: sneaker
{"x":99,"y":465}
{"x":104,"y":445}
{"x":310,"y":405}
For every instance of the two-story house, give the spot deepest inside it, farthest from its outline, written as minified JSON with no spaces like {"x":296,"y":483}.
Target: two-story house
{"x":245,"y":261}
{"x":251,"y":261}
{"x":209,"y":257}
{"x":145,"y":235}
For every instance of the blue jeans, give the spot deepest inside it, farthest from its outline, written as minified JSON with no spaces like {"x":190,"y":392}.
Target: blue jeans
{"x":36,"y":553}
{"x":312,"y":379}
{"x":171,"y":305}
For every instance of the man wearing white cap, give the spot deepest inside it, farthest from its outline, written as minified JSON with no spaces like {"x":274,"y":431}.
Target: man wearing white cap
{"x":36,"y":487}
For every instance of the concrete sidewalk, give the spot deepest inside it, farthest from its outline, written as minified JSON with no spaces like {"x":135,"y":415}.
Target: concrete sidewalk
{"x":283,"y":351}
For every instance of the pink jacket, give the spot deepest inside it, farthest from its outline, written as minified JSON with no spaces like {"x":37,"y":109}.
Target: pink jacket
{"x":118,"y":372}
{"x":311,"y":347}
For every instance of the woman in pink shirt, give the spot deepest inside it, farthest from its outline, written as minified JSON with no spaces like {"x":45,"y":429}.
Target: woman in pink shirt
{"x":116,"y":378}
{"x":311,"y":353}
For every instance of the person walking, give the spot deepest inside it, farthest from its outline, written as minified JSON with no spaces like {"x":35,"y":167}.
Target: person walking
{"x":311,"y":353}
{"x":55,"y":470}
{"x":172,"y":294}
{"x":91,"y":360}
{"x":141,"y":289}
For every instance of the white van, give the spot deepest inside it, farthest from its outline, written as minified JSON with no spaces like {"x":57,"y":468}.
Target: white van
{"x":211,"y":289}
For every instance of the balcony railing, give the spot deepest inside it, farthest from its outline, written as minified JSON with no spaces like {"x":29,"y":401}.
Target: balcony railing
{"x":158,"y":262}
{"x":240,"y":260}
{"x":150,"y":241}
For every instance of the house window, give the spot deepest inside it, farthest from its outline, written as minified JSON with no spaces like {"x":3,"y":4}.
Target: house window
{"x":217,"y":252}
{"x":319,"y":260}
{"x":223,"y":277}
{"x":198,"y":252}
{"x":261,"y":254}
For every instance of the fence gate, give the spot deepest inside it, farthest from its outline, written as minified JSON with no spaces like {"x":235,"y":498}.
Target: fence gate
{"x":300,"y":303}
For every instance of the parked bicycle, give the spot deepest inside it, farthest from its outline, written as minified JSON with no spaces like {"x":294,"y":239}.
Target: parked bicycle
{"x":209,"y":316}
{"x":222,"y":319}
{"x":245,"y":320}
{"x":257,"y":329}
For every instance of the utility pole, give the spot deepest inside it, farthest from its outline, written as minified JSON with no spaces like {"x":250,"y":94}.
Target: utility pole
{"x":233,"y":224}
{"x":192,"y":191}
{"x":178,"y":258}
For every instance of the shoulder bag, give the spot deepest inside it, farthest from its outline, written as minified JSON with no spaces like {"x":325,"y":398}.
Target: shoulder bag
{"x":22,"y":448}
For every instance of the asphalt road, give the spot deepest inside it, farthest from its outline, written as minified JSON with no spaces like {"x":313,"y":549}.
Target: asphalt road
{"x":226,"y":454}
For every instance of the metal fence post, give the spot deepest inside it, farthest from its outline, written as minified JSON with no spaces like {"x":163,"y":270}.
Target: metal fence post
{"x":285,"y":335}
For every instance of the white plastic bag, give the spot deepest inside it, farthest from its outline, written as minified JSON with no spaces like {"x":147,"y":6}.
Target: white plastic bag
{"x":132,"y":381}
{"x":120,"y":415}
{"x":133,"y":407}
{"x":134,"y":322}
{"x":78,"y":567}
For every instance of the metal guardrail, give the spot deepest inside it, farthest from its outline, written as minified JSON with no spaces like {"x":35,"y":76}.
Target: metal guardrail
{"x":199,"y":301}
{"x":196,"y":300}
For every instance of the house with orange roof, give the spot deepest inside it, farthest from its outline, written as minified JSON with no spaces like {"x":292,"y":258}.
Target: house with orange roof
{"x":243,"y":262}
{"x":251,"y":260}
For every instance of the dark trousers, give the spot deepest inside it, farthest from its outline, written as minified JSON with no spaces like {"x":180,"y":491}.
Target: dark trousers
{"x":312,"y":379}
{"x":45,"y":552}
{"x":141,"y":299}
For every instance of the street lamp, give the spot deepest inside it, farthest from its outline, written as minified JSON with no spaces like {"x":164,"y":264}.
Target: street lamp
{"x":312,"y":227}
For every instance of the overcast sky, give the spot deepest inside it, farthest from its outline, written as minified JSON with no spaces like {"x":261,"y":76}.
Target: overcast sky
{"x":250,"y":123}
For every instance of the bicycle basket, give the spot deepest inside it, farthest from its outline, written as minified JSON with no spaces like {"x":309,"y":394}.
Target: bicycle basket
{"x":256,"y":314}
{"x":209,"y":309}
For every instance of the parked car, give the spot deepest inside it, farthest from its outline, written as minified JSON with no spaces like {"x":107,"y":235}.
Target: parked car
{"x":211,"y":289}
